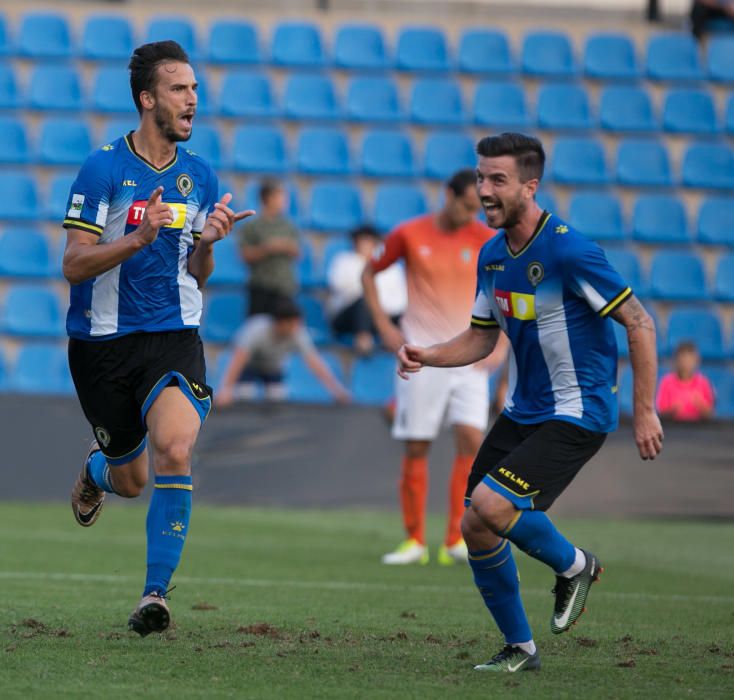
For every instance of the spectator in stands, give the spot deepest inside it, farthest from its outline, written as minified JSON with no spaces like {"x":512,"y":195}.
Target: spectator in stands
{"x":685,"y":394}
{"x":269,"y":245}
{"x":347,"y":308}
{"x":260,"y":348}
{"x":703,"y":12}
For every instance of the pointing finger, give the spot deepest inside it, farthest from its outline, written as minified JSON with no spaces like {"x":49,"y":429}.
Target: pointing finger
{"x":226,"y":198}
{"x":155,"y":195}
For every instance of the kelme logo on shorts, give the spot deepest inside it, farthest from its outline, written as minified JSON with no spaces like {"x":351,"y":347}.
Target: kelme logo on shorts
{"x":185,"y":184}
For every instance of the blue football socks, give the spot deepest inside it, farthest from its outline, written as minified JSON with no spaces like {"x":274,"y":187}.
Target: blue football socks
{"x":98,"y":471}
{"x":167,"y":526}
{"x":535,"y":534}
{"x":495,"y":574}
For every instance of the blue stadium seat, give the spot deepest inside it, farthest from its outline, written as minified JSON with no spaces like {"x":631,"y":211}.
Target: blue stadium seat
{"x":546,"y":201}
{"x":335,"y":207}
{"x":333,"y":247}
{"x":310,"y":97}
{"x":720,"y":58}
{"x":301,"y":384}
{"x":233,"y":41}
{"x":702,"y":326}
{"x":229,"y":270}
{"x":422,"y":49}
{"x":673,"y":56}
{"x":323,"y":151}
{"x":44,"y":35}
{"x":723,"y":278}
{"x":396,"y":203}
{"x":205,"y":104}
{"x":373,"y":379}
{"x":252,"y":198}
{"x":19,"y":190}
{"x":24,"y":252}
{"x":501,"y":104}
{"x":360,"y":47}
{"x":689,"y":111}
{"x":373,"y":99}
{"x":111,"y":90}
{"x":724,"y":390}
{"x":107,"y":38}
{"x":310,"y":275}
{"x":387,"y":154}
{"x":729,"y":115}
{"x":485,"y":51}
{"x":563,"y":106}
{"x":548,"y":55}
{"x":708,"y":165}
{"x":314,"y":318}
{"x":446,"y":152}
{"x":41,"y":368}
{"x":161,"y":28}
{"x":205,"y":141}
{"x":259,"y":149}
{"x":677,"y":276}
{"x":626,"y":108}
{"x":55,"y":86}
{"x":624,"y":388}
{"x":297,"y":45}
{"x":660,"y":218}
{"x":643,"y":163}
{"x":117,"y":127}
{"x":716,"y":222}
{"x":627,"y":264}
{"x":13,"y":140}
{"x":32,"y":310}
{"x":9,"y":92}
{"x":5,"y":42}
{"x":64,"y":141}
{"x":57,"y":195}
{"x":610,"y":56}
{"x":597,"y":215}
{"x":579,"y":161}
{"x":3,"y":373}
{"x":224,"y":313}
{"x":436,"y":102}
{"x":247,"y":93}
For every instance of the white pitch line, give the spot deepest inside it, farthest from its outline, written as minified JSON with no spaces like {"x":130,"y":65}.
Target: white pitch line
{"x":337,"y":585}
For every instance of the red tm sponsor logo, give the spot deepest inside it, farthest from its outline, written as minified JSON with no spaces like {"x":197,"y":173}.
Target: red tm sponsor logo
{"x":136,"y":212}
{"x":504,"y":301}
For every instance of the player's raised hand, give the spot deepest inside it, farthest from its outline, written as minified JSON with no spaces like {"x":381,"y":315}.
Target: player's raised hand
{"x":411,"y":358}
{"x":648,"y":434}
{"x":220,"y":222}
{"x":156,"y":216}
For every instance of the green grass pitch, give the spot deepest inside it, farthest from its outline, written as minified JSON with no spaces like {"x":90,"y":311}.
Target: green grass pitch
{"x":294,"y":604}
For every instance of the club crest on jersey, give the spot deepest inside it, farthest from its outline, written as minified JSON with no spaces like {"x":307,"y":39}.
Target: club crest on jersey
{"x":185,"y":184}
{"x":536,"y":272}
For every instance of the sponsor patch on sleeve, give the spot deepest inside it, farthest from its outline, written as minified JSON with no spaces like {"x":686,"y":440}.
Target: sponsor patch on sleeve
{"x":77,"y":203}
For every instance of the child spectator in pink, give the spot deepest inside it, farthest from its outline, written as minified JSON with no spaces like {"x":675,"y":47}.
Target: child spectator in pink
{"x":685,"y":394}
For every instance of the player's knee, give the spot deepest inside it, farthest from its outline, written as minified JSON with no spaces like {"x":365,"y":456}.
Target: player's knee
{"x":471,"y":526}
{"x":173,"y":455}
{"x":493,"y":513}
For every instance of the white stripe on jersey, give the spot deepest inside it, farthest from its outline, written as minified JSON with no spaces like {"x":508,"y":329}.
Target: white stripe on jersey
{"x":511,"y":379}
{"x":188,"y":289}
{"x":595,"y":300}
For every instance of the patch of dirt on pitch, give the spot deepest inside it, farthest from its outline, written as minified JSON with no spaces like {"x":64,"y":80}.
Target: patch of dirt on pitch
{"x":587,"y":642}
{"x":406,"y":614}
{"x":36,"y":628}
{"x":462,"y":655}
{"x":628,"y":663}
{"x":626,"y":639}
{"x":647,"y":652}
{"x":431,"y":639}
{"x":262,"y":629}
{"x":203,"y":605}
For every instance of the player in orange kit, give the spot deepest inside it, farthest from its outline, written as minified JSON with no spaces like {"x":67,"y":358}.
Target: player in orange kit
{"x":440,"y":255}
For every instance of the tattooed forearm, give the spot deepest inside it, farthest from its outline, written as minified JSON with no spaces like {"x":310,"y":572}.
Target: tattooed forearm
{"x":633,"y":316}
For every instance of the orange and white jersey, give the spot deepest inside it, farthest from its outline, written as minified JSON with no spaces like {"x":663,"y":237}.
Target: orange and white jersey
{"x":440,"y":269}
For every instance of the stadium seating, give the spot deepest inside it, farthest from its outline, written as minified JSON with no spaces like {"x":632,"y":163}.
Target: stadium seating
{"x":729,"y":115}
{"x":335,"y":207}
{"x":302,"y":385}
{"x":111,"y":90}
{"x":387,"y":154}
{"x":373,"y":379}
{"x":107,"y":38}
{"x":579,"y":161}
{"x":206,"y":143}
{"x":162,"y":28}
{"x":501,"y":104}
{"x":118,"y":127}
{"x":708,"y":165}
{"x":9,"y":92}
{"x":626,"y":108}
{"x":332,"y":248}
{"x":309,"y":270}
{"x":563,"y":106}
{"x":627,"y":264}
{"x":373,"y":99}
{"x":64,"y":141}
{"x":548,"y":55}
{"x":44,"y":35}
{"x":41,"y":368}
{"x":699,"y":325}
{"x":725,"y":397}
{"x":233,"y":41}
{"x":597,"y":215}
{"x":610,"y":56}
{"x":673,"y":57}
{"x":5,"y":48}
{"x":677,"y":276}
{"x":447,"y":152}
{"x":485,"y":51}
{"x":422,"y":49}
{"x":323,"y":151}
{"x":57,"y":195}
{"x":55,"y":87}
{"x":624,"y":389}
{"x":32,"y":310}
{"x":19,"y":190}
{"x":297,"y":45}
{"x":659,"y":218}
{"x":204,"y":102}
{"x":309,"y":96}
{"x":314,"y":317}
{"x":259,"y":149}
{"x":643,"y":163}
{"x":716,"y":222}
{"x":247,"y":93}
{"x":546,"y":201}
{"x":360,"y":47}
{"x":436,"y":102}
{"x":13,"y":140}
{"x":396,"y":203}
{"x":724,"y":279}
{"x":720,"y":58}
{"x":224,"y":313}
{"x":229,"y":270}
{"x":24,"y":252}
{"x":689,"y":111}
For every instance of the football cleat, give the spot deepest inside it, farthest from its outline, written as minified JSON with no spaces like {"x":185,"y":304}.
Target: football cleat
{"x":151,"y":615}
{"x":87,"y":498}
{"x":450,"y":555}
{"x":510,"y":660}
{"x":571,"y":594}
{"x":409,"y":552}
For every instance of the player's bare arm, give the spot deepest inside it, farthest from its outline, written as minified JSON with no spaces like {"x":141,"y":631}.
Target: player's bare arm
{"x":390,"y":334}
{"x":467,"y":348}
{"x":643,"y":357}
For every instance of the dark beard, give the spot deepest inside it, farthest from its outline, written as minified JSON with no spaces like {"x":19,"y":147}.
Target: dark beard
{"x":513,"y":216}
{"x":167,"y":130}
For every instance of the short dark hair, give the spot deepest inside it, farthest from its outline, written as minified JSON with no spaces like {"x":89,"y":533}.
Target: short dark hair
{"x":462,"y":180}
{"x":286,"y":308}
{"x":268,"y":187}
{"x":365,"y":231}
{"x":685,"y":346}
{"x":144,"y":62}
{"x":526,"y":150}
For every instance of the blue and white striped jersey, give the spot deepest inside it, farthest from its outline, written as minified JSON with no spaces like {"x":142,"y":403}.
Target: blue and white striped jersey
{"x":552,"y":299}
{"x":152,"y":290}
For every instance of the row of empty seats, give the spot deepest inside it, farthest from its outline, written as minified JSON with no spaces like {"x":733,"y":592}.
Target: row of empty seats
{"x":612,"y":56}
